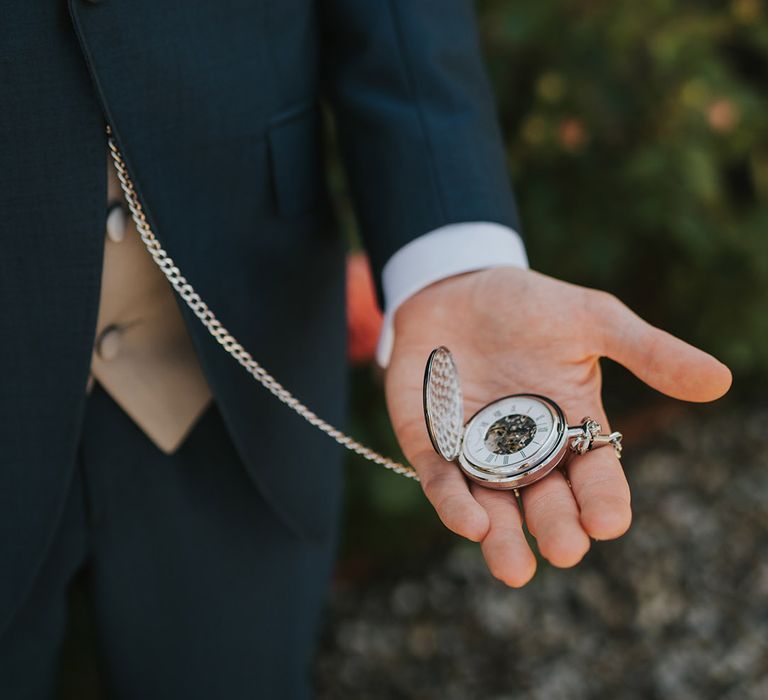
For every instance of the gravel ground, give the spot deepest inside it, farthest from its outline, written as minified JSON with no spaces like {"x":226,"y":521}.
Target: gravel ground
{"x":676,"y":609}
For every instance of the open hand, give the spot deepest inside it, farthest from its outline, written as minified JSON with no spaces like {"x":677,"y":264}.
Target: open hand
{"x":511,"y":331}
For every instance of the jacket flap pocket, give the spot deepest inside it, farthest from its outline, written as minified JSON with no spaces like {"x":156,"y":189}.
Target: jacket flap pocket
{"x":296,"y":160}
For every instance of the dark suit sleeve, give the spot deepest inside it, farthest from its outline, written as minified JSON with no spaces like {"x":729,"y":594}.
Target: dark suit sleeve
{"x":415,"y":118}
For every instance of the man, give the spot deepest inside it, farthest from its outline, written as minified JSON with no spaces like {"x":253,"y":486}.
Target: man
{"x":201,"y":512}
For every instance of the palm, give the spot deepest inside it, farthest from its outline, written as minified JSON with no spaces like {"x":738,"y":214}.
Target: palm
{"x":514,"y":331}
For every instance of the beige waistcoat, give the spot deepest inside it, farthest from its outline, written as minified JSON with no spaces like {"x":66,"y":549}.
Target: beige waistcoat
{"x":143,"y":355}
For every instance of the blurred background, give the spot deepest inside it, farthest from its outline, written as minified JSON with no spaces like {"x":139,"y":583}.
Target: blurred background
{"x":637,"y":141}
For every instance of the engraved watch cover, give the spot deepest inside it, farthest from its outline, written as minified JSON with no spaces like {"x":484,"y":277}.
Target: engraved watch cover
{"x":443,"y":404}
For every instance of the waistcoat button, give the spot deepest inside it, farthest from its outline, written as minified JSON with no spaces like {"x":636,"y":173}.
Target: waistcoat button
{"x":116,"y":222}
{"x":108,"y":343}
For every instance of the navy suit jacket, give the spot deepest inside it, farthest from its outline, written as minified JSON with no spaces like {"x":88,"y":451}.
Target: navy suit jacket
{"x":215,"y":105}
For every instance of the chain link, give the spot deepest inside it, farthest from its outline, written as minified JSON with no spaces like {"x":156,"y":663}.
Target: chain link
{"x":187,"y":292}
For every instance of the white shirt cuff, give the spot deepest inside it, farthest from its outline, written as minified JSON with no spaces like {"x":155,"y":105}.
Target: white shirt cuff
{"x":446,"y":251}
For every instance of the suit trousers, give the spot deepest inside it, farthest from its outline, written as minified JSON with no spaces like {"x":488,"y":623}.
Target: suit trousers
{"x":196,"y":589}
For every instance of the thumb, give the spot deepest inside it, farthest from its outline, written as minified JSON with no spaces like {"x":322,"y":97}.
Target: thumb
{"x":659,"y":359}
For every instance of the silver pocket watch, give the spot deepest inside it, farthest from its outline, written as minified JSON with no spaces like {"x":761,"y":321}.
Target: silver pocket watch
{"x":510,"y":442}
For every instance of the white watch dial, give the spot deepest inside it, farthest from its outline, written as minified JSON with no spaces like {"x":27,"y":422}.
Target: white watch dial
{"x":510,"y":435}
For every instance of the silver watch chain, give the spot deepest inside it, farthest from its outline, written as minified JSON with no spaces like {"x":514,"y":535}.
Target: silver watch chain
{"x":192,"y":299}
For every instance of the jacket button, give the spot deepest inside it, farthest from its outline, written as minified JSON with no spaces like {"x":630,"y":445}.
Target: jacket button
{"x":116,"y":222}
{"x":108,"y":343}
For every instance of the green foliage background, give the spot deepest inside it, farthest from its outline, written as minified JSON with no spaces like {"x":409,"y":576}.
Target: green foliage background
{"x":637,"y":141}
{"x":665,"y":200}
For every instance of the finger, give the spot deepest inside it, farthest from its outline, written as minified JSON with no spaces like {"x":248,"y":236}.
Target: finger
{"x":658,"y":358}
{"x":443,"y":484}
{"x":504,"y":547}
{"x":601,"y":489}
{"x":446,"y":489}
{"x":553,"y":519}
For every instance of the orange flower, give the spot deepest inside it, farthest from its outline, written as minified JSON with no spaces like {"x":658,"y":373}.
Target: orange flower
{"x":723,"y":115}
{"x":572,"y":133}
{"x":364,"y":318}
